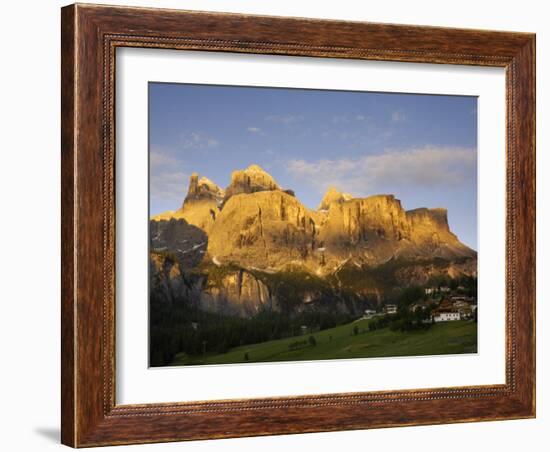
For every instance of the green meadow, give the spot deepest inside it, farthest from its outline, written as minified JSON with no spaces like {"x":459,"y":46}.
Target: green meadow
{"x":353,"y":340}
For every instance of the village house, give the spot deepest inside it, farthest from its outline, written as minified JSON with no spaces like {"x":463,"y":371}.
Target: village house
{"x":430,"y":290}
{"x":445,"y":312}
{"x":390,"y":309}
{"x":369,"y":314}
{"x":445,"y":316}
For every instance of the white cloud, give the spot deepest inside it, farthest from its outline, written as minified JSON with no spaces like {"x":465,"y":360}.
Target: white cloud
{"x":198,"y":140}
{"x":340,"y":119}
{"x":168,"y":180}
{"x":398,"y":116}
{"x":254,"y":129}
{"x":419,"y":167}
{"x":169,"y":187}
{"x":160,"y":159}
{"x":346,"y":119}
{"x":284,"y":119}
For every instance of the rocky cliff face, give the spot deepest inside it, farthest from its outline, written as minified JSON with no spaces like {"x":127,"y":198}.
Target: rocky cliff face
{"x":267,"y":229}
{"x":228,"y":291}
{"x":271,"y":229}
{"x":377,"y":228}
{"x":200,"y":206}
{"x":367,"y":228}
{"x":237,"y":293}
{"x":166,"y":277}
{"x":250,"y":180}
{"x":431,"y":231}
{"x":202,"y":189}
{"x":254,"y":230}
{"x":185,"y":242}
{"x":333,"y":195}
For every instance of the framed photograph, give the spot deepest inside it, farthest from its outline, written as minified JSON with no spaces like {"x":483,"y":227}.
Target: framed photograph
{"x":281,"y":225}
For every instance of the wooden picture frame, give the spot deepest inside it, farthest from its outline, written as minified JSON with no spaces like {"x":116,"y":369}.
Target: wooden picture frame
{"x":90,"y":36}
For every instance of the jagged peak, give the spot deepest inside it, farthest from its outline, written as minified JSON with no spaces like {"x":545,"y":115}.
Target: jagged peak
{"x":250,"y":180}
{"x":212,"y":186}
{"x":202,"y":188}
{"x":332,"y":190}
{"x":257,"y":175}
{"x":436,"y":214}
{"x":333,"y":195}
{"x":256,"y":169}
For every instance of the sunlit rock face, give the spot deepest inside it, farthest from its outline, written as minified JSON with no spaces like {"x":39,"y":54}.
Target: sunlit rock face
{"x":202,"y":189}
{"x":333,"y":195}
{"x":264,"y":229}
{"x":250,"y":180}
{"x":377,"y":228}
{"x":232,"y":246}
{"x":200,"y":206}
{"x":431,"y":230}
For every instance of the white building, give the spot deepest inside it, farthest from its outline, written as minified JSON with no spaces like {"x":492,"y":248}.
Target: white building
{"x":390,"y":309}
{"x":368,"y":314}
{"x":446,"y":316}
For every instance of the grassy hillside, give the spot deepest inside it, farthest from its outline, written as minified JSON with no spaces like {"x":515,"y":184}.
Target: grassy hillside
{"x":342,"y":342}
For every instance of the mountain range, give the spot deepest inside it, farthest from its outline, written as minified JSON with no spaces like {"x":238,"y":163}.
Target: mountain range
{"x":255,"y":246}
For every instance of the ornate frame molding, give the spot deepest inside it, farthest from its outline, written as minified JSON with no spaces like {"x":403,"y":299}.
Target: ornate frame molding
{"x":90,"y":37}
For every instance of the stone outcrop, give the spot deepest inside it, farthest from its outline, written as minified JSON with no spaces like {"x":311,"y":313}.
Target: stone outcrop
{"x":201,"y":205}
{"x":185,"y":242}
{"x":365,"y":219}
{"x":333,"y":195}
{"x":250,"y":180}
{"x":256,"y":246}
{"x":377,"y":228}
{"x":263,"y":229}
{"x":165,"y":276}
{"x":230,"y":291}
{"x":420,"y":274}
{"x":237,"y":293}
{"x":431,"y":231}
{"x":202,"y":189}
{"x":270,"y":229}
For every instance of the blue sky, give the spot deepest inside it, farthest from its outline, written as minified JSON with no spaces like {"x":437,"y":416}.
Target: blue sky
{"x":421,"y":148}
